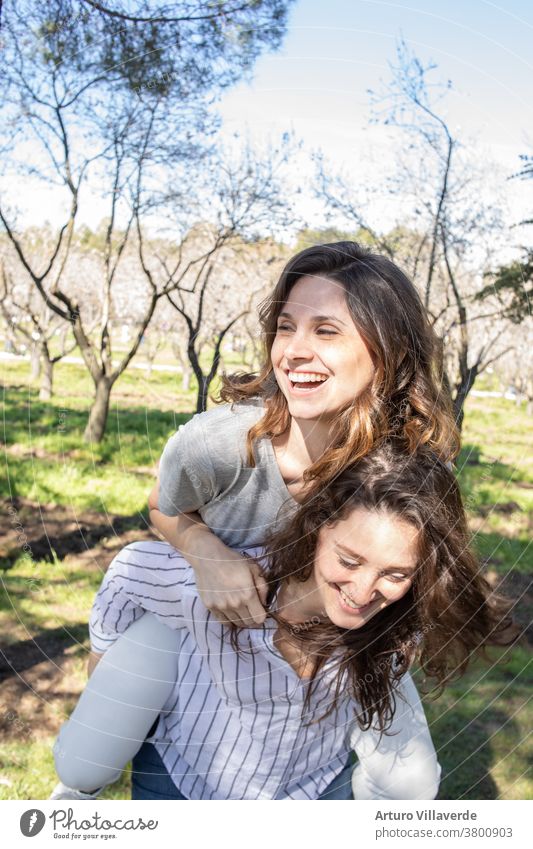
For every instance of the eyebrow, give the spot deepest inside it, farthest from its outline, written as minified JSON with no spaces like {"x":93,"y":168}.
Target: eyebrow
{"x":410,"y":570}
{"x":317,"y":318}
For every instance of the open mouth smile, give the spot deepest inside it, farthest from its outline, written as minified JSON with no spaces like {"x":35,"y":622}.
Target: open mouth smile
{"x":303,"y":382}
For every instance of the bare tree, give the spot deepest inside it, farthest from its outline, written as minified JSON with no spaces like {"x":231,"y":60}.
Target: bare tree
{"x":525,"y":173}
{"x":515,"y":369}
{"x":88,"y":121}
{"x":211,"y":297}
{"x":448,"y":232}
{"x":124,"y":167}
{"x":32,"y":326}
{"x":214,"y":276}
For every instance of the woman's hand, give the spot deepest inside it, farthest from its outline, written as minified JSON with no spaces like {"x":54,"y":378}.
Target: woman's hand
{"x":232,"y":588}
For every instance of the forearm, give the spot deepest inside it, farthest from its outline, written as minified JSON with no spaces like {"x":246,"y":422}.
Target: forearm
{"x":236,"y":594}
{"x":189,"y":535}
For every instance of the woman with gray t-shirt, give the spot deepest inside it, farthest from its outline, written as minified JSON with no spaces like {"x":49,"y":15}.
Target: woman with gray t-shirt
{"x":350,"y":358}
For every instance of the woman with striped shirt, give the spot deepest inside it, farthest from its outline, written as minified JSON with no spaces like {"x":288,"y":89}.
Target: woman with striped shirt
{"x":350,"y":359}
{"x":373,"y":572}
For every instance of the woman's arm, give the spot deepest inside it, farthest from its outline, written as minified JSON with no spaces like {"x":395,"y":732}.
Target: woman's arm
{"x":232,"y":588}
{"x":402,"y":764}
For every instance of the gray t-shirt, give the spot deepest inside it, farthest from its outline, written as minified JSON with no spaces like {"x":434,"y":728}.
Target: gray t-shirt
{"x":203,"y":468}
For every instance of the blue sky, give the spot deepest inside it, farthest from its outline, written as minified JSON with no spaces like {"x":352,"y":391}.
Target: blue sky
{"x":337,"y":49}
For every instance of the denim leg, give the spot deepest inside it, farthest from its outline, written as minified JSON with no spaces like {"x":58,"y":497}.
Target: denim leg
{"x":150,"y":778}
{"x":341,"y":786}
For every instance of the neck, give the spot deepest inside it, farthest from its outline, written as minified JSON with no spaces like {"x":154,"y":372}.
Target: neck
{"x":309,"y":439}
{"x":299,"y":603}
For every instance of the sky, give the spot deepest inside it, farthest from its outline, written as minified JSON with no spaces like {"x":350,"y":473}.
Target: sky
{"x":335,"y":50}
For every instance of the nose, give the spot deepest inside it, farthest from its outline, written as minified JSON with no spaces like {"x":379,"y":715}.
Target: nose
{"x":363,"y":588}
{"x":298,"y":347}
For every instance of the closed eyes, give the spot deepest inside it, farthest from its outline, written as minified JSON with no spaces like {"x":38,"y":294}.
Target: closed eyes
{"x":321,"y":331}
{"x":395,"y":577}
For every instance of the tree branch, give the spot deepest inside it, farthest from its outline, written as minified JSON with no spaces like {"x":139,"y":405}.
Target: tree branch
{"x":123,"y":16}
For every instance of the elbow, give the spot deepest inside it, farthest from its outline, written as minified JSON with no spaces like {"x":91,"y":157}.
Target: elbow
{"x":423,"y":783}
{"x":397,"y":782}
{"x":420,"y":781}
{"x":153,"y":498}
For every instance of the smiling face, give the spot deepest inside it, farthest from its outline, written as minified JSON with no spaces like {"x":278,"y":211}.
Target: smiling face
{"x":320,"y":360}
{"x":363,"y":563}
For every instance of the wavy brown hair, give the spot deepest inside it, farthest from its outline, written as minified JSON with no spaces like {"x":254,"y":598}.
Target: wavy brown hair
{"x":450,"y":611}
{"x":406,"y":397}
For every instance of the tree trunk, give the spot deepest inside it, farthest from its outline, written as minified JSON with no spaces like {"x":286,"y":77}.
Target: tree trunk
{"x":529,"y":396}
{"x":186,"y":378}
{"x":462,"y":388}
{"x":96,"y":425}
{"x":64,"y":336}
{"x":35,"y":358}
{"x":47,"y":375}
{"x":201,"y":398}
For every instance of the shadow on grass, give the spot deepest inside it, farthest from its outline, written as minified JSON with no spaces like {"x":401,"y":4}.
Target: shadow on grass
{"x":475,"y":472}
{"x":503,"y":553}
{"x":29,"y":421}
{"x":466,"y":755}
{"x":475,"y":727}
{"x":52,"y":543}
{"x":45,"y":645}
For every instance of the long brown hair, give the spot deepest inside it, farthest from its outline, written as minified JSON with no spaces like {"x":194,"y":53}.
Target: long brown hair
{"x":406,"y":397}
{"x":449,"y":612}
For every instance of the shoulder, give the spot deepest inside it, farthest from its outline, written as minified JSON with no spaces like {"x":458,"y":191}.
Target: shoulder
{"x":226,"y":423}
{"x":155,"y":571}
{"x":230,"y":414}
{"x":210,"y":446}
{"x":156,"y":558}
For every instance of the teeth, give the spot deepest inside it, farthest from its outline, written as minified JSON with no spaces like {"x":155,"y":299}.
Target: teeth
{"x":311,"y":377}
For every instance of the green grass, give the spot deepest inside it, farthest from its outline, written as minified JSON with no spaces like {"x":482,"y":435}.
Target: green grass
{"x":481,"y":728}
{"x":29,"y":769}
{"x":39,"y":598}
{"x":113,"y":476}
{"x":480,"y":725}
{"x":496,"y":474}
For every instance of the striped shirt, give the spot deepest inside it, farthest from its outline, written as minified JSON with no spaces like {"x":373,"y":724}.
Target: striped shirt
{"x":233,"y":726}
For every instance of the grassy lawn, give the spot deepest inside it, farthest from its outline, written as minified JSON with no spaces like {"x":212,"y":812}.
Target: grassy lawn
{"x":77,"y":504}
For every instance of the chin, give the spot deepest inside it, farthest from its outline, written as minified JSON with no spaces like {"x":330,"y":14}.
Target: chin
{"x":342,"y":620}
{"x":351,"y":623}
{"x":305,"y":411}
{"x":296,"y":412}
